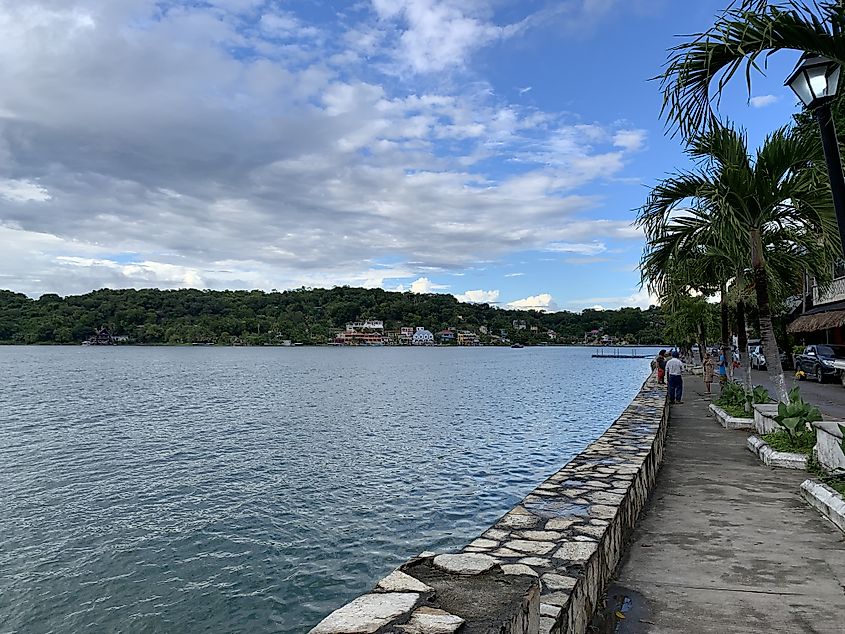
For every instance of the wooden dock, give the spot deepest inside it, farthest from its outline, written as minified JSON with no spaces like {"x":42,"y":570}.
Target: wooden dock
{"x":617,"y":354}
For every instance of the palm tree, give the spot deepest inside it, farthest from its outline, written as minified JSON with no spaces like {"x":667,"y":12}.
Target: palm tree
{"x":775,"y":209}
{"x":746,"y":31}
{"x":691,"y":255}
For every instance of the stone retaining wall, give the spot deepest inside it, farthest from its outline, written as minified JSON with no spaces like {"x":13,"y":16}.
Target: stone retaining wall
{"x":562,"y":543}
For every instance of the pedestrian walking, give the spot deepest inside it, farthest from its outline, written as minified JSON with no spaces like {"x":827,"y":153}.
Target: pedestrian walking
{"x":674,"y":376}
{"x":660,"y":362}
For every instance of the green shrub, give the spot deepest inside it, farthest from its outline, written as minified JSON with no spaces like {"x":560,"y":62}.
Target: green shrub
{"x":733,"y":395}
{"x":737,"y":402}
{"x":782,"y":441}
{"x":760,"y":395}
{"x":835,"y":482}
{"x":795,"y":417}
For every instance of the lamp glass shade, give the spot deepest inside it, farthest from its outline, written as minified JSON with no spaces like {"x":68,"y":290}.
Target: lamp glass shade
{"x":815,"y":80}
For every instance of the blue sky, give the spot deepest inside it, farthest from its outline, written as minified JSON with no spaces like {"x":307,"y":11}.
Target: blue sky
{"x":492,"y":149}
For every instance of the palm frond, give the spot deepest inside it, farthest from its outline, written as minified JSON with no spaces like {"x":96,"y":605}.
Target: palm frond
{"x":739,"y":38}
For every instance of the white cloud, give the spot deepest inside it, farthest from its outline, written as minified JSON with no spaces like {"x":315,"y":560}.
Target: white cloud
{"x":639,"y":299}
{"x":280,"y":168}
{"x":439,"y":34}
{"x":425,"y":285}
{"x":478,"y":297}
{"x":23,"y":191}
{"x":630,"y":140}
{"x":592,"y":248}
{"x":762,"y":101}
{"x":514,"y":274}
{"x":543,"y":301}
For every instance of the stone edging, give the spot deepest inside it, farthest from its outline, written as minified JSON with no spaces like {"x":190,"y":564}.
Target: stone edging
{"x":562,"y":542}
{"x":773,"y":458}
{"x":827,"y":501}
{"x":764,"y":417}
{"x":829,"y":446}
{"x":730,"y":422}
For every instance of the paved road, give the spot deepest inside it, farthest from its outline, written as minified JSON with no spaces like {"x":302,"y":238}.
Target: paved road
{"x":828,"y":397}
{"x":726,"y":544}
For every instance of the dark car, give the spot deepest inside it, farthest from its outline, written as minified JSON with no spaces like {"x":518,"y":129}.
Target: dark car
{"x":817,"y":361}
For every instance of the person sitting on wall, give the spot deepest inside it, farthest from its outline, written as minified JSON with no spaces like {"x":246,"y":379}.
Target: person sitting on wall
{"x":674,"y":374}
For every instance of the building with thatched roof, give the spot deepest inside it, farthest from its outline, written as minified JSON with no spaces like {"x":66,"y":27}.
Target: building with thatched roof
{"x":825,"y":321}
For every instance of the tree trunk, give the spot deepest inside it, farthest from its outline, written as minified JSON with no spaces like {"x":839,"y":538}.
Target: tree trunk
{"x":742,"y":344}
{"x":702,"y":340}
{"x":767,"y":331}
{"x":726,"y":333}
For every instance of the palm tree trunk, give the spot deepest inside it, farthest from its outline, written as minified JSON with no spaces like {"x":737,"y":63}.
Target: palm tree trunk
{"x":726,"y":333}
{"x":767,"y":331}
{"x":742,"y":344}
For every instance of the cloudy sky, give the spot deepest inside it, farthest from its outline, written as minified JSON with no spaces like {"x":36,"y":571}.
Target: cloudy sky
{"x":493,"y":149}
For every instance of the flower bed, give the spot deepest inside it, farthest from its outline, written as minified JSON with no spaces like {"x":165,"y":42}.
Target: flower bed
{"x":772,"y":458}
{"x":727,"y":421}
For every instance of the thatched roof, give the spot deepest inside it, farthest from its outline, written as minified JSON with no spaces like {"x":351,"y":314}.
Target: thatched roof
{"x":818,"y":321}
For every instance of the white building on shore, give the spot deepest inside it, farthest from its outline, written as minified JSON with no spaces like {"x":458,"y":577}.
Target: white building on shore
{"x":423,"y":337}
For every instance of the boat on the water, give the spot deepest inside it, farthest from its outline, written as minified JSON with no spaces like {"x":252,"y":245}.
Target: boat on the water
{"x":517,"y":345}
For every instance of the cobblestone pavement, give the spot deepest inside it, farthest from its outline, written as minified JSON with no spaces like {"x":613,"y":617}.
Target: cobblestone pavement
{"x":726,"y":544}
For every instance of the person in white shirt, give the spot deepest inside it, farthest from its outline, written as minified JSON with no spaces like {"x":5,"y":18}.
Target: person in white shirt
{"x":674,"y":372}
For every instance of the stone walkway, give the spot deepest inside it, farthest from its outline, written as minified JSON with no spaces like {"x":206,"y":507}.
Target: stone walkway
{"x":726,"y":544}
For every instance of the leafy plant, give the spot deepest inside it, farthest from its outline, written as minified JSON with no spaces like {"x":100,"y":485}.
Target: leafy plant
{"x":835,"y":482}
{"x":733,"y":395}
{"x":781,"y":441}
{"x":760,"y":395}
{"x":796,"y":415}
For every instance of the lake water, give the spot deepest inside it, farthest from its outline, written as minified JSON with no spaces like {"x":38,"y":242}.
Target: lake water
{"x":257,"y":489}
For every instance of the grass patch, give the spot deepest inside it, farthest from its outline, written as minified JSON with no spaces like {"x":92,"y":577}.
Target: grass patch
{"x":837,"y":483}
{"x":780,"y":441}
{"x":737,"y":411}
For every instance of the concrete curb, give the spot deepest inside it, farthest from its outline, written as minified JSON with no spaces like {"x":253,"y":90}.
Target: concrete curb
{"x":730,"y":422}
{"x":764,"y":417}
{"x":826,"y":501}
{"x":772,"y":458}
{"x":567,"y":535}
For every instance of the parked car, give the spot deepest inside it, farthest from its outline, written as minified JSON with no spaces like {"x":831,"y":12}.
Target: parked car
{"x":757,"y":360}
{"x":817,"y":361}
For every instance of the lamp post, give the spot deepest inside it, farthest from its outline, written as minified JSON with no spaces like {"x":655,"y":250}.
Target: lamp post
{"x":815,"y":81}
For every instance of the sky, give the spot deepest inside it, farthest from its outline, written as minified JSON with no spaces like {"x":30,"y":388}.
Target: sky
{"x":492,"y":149}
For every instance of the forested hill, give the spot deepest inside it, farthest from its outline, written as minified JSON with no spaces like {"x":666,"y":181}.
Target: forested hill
{"x":304,"y":315}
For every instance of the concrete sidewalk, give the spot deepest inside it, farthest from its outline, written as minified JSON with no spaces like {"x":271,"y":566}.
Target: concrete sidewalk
{"x":726,"y":545}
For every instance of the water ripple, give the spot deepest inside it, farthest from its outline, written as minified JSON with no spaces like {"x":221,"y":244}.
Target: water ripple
{"x":243,"y":490}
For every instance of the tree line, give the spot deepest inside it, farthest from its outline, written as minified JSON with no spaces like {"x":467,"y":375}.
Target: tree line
{"x":311,"y":316}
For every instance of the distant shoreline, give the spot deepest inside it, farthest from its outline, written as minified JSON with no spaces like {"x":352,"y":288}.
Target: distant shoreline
{"x":48,"y":344}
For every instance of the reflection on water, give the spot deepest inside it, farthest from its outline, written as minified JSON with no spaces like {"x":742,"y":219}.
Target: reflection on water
{"x":257,"y":489}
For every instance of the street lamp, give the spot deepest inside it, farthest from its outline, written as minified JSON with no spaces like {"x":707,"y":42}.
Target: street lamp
{"x":815,"y":81}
